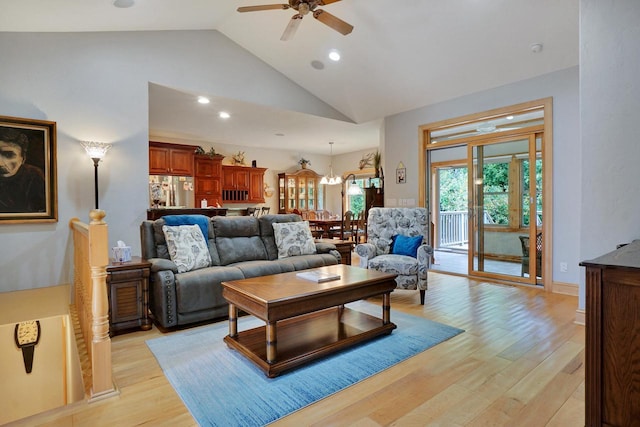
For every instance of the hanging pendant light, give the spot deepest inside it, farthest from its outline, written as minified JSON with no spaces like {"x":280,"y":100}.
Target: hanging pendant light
{"x":331,"y":179}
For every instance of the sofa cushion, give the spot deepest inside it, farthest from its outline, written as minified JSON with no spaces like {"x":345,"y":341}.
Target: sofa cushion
{"x":187,"y":247}
{"x":293,"y":239}
{"x":161,"y":245}
{"x":396,"y":264}
{"x":201,"y":290}
{"x":238,"y":239}
{"x":199,"y":220}
{"x":304,"y":262}
{"x":262,"y":268}
{"x":266,"y":231}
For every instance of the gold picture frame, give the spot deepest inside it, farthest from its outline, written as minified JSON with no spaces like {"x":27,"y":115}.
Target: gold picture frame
{"x":28,"y":187}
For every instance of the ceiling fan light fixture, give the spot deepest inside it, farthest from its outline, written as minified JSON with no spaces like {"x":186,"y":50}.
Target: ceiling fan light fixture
{"x":303,"y":8}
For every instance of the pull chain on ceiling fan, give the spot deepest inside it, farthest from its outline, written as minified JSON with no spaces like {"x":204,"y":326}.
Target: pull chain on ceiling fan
{"x":303,"y":8}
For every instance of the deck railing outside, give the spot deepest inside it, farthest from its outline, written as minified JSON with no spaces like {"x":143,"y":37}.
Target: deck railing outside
{"x":453,"y":228}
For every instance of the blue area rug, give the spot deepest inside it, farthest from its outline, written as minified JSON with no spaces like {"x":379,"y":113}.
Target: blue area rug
{"x":220,"y":387}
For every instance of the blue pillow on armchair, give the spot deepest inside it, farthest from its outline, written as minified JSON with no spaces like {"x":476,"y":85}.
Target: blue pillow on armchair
{"x":403,"y":245}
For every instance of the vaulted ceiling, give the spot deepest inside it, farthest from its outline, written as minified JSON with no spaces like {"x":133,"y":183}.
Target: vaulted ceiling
{"x":401,"y":55}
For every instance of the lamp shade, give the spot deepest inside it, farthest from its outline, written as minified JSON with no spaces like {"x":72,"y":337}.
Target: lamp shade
{"x":95,"y":150}
{"x":354,"y":189}
{"x":331,"y":179}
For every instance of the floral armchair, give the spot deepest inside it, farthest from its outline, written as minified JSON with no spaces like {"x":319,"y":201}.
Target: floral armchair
{"x":381,"y":251}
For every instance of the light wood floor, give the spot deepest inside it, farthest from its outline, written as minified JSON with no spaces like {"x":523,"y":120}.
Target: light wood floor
{"x":519,"y":363}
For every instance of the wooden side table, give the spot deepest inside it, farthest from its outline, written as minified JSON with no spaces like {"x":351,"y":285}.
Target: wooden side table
{"x":343,"y":246}
{"x":128,"y":291}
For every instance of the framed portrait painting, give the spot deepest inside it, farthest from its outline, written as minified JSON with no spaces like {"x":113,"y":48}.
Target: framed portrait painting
{"x":28,"y":191}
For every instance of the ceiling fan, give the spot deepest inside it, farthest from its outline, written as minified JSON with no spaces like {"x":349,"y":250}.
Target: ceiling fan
{"x":303,"y":7}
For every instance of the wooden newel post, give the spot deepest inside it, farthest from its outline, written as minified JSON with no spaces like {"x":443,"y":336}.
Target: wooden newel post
{"x":100,"y":342}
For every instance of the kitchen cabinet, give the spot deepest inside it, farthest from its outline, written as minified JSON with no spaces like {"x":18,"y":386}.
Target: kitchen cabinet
{"x":612,"y":342}
{"x":242,"y":184}
{"x":171,"y":159}
{"x":208,"y":179}
{"x":300,"y":190}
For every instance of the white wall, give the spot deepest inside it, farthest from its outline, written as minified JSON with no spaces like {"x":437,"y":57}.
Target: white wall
{"x":95,"y":86}
{"x":609,"y":110}
{"x":401,"y":145}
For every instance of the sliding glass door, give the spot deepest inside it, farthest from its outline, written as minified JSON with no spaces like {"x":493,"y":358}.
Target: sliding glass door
{"x":505,"y":208}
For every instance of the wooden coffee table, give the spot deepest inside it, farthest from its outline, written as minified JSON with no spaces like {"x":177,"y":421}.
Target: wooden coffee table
{"x":305,"y":320}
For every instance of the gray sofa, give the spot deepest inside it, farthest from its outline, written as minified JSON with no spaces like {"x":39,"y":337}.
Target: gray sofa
{"x":240,"y":247}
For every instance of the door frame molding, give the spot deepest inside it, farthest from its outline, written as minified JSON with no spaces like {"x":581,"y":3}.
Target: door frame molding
{"x":424,"y":145}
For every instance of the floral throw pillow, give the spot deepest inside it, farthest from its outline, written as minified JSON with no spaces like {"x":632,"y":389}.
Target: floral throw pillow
{"x":293,"y":238}
{"x":187,"y":247}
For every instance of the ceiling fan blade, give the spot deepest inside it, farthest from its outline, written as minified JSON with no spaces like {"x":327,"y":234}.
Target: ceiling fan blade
{"x":263,"y":7}
{"x":332,"y":21}
{"x":292,"y":27}
{"x":326,"y":2}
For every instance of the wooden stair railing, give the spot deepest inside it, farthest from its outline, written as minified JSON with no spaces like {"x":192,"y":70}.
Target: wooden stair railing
{"x":90,"y":260}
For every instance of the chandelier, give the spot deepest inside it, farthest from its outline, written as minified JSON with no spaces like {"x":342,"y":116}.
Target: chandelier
{"x":331,"y":179}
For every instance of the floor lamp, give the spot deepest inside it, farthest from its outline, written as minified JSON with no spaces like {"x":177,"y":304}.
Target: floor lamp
{"x":96,"y":150}
{"x":353,"y":190}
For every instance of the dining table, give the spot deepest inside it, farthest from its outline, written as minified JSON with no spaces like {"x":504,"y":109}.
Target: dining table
{"x":327,"y":228}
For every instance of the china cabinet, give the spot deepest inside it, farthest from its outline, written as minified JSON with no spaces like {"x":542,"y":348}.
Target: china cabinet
{"x":300,"y":190}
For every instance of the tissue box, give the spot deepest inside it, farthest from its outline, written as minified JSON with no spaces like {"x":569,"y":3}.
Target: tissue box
{"x":121,"y":253}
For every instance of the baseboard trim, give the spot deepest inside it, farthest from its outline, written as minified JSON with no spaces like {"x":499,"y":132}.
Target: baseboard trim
{"x":565,"y":288}
{"x":581,"y":317}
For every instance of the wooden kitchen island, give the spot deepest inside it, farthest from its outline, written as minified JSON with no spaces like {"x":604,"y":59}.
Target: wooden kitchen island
{"x":153,"y":214}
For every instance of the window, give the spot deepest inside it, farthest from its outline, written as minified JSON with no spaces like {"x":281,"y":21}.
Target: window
{"x":496,"y":193}
{"x":355,"y":203}
{"x":526,"y":215}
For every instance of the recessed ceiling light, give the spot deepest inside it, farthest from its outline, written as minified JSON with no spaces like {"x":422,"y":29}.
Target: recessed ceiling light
{"x":536,"y":47}
{"x":203,"y":100}
{"x":318,"y":65}
{"x":334,"y":55}
{"x":509,"y":117}
{"x":224,"y":115}
{"x":279,"y":134}
{"x":123,"y":3}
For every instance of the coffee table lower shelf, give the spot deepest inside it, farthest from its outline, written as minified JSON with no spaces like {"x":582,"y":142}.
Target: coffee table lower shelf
{"x":307,"y":337}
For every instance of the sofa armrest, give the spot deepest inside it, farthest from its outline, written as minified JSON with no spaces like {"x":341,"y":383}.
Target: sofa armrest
{"x":425,"y":253}
{"x":366,"y":250}
{"x":162,"y":298}
{"x":325,"y":248}
{"x":161,"y":264}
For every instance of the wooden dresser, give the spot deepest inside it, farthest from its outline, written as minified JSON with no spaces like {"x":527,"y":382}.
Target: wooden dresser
{"x":612,"y":358}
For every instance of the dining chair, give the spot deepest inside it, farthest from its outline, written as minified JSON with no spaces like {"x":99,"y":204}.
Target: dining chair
{"x":345,"y":233}
{"x":526,"y":250}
